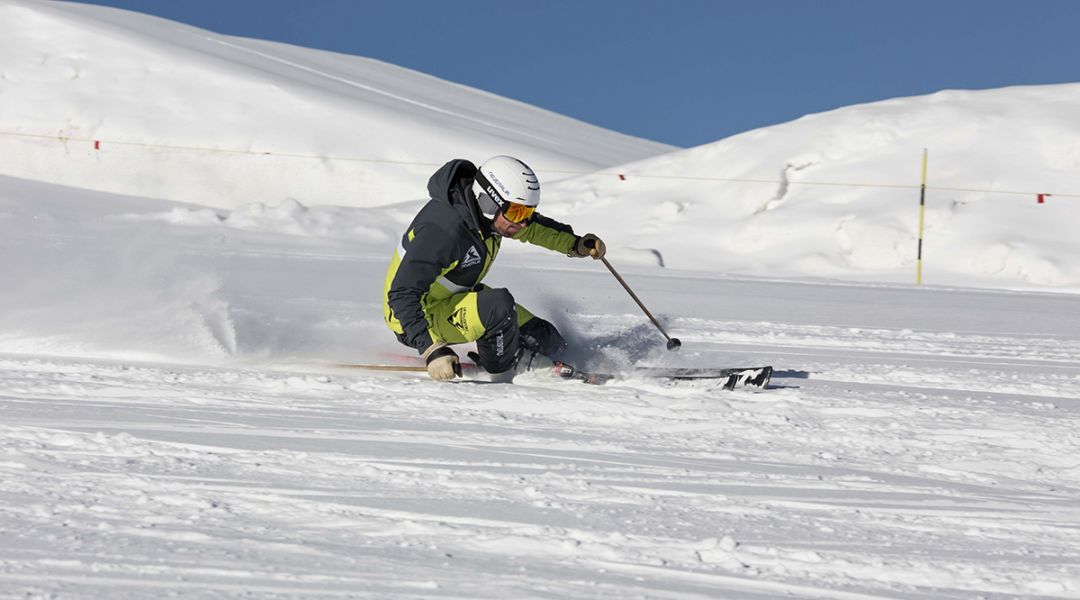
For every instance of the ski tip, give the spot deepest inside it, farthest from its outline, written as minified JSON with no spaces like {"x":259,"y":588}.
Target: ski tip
{"x":762,"y":380}
{"x":759,"y":378}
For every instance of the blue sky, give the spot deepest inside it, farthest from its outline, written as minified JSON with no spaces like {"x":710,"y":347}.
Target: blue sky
{"x":684,"y":72}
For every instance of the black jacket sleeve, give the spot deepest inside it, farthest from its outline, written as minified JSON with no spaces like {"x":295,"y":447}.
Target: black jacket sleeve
{"x":427,"y":254}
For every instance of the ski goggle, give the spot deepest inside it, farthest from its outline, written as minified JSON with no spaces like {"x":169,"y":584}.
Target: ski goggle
{"x":517,"y":213}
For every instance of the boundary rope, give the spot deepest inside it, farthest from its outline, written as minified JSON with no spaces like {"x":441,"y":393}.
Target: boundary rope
{"x":97,"y":142}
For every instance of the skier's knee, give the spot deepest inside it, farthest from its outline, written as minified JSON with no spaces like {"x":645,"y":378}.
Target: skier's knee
{"x":541,"y":336}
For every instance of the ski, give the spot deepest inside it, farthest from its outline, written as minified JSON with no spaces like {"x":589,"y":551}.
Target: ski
{"x":727,"y":378}
{"x":730,"y":377}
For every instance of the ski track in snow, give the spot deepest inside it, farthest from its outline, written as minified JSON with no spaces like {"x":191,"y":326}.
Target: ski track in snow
{"x":904,"y":465}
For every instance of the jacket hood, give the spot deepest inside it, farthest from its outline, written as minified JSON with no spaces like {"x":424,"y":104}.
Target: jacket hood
{"x":452,"y":184}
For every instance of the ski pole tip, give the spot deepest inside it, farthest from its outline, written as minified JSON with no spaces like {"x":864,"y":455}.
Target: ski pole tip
{"x":673,"y":344}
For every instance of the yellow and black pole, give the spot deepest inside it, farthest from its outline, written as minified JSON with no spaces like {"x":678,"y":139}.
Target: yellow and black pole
{"x":922,"y":220}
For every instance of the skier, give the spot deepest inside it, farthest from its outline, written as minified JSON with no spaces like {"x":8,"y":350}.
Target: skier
{"x":433,"y":296}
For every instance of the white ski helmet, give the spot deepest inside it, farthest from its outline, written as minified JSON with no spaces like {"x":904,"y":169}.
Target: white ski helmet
{"x":503,"y":179}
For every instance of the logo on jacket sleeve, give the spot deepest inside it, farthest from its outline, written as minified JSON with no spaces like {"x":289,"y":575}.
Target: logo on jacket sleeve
{"x":472,"y":257}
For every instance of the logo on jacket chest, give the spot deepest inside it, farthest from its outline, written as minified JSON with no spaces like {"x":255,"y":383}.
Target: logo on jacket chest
{"x":471,"y":258}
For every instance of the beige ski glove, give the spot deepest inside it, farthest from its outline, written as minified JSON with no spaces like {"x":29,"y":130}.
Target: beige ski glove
{"x":442,"y":362}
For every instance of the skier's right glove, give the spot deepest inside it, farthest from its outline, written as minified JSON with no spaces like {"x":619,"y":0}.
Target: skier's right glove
{"x":442,"y":362}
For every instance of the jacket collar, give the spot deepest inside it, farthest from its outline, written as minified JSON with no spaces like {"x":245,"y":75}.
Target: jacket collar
{"x":452,"y":184}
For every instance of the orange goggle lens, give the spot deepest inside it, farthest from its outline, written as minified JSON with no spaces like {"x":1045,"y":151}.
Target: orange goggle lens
{"x":517,"y":213}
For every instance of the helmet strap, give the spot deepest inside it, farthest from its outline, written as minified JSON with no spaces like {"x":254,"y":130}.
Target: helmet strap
{"x":489,"y":190}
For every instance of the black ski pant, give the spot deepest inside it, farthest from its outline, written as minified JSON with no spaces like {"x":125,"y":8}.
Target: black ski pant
{"x":490,"y":317}
{"x":503,"y":340}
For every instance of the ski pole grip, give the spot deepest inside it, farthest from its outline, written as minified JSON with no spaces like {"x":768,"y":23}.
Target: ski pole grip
{"x":591,"y":245}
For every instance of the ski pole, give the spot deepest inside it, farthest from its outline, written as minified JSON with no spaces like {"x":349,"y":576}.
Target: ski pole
{"x":673,"y":344}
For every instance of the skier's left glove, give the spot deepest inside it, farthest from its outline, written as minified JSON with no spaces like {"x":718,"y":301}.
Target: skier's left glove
{"x":588,"y":245}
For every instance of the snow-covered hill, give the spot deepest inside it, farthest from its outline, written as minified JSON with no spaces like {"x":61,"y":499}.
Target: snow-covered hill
{"x":186,"y":114}
{"x":836,"y":194}
{"x":175,"y":422}
{"x":192,"y":116}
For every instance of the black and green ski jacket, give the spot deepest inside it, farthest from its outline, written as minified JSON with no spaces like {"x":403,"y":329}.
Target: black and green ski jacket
{"x":448,"y":249}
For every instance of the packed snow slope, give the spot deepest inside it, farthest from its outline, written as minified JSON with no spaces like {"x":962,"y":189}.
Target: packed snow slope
{"x":174,"y":425}
{"x":187,"y":114}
